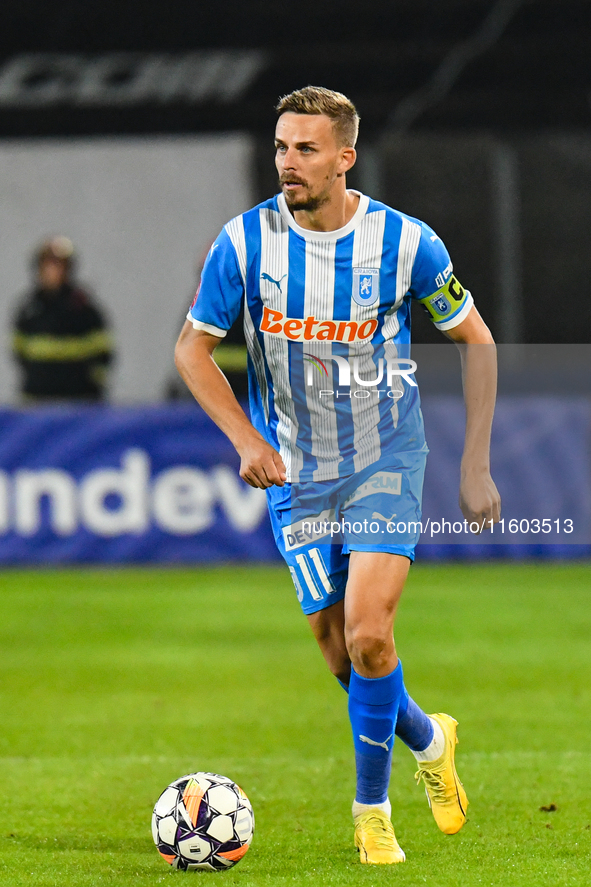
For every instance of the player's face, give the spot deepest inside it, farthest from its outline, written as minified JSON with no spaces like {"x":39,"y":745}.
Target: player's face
{"x":309,"y":160}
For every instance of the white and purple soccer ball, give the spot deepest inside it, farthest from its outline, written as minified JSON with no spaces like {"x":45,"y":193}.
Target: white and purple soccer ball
{"x":202,"y":821}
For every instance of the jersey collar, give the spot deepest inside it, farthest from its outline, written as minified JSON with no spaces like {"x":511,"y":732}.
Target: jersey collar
{"x":307,"y":234}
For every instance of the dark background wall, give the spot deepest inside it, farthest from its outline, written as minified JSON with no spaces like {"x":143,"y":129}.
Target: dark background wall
{"x":535,"y":75}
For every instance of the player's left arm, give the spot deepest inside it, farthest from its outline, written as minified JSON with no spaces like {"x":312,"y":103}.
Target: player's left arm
{"x":479,"y":498}
{"x":451,"y":309}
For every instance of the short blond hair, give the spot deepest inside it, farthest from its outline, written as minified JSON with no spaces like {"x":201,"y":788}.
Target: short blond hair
{"x":318,"y":100}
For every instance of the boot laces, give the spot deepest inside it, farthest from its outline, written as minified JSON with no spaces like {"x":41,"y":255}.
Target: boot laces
{"x":434,"y":783}
{"x":381,"y":830}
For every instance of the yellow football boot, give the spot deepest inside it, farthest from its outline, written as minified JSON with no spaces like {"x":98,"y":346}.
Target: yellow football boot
{"x":445,"y":792}
{"x":375,"y":839}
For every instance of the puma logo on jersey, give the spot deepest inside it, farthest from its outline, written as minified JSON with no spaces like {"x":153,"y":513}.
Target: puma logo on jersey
{"x":265,"y":276}
{"x":383,"y":744}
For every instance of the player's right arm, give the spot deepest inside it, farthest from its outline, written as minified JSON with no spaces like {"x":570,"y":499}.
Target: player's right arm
{"x":260,"y":463}
{"x":213,"y":312}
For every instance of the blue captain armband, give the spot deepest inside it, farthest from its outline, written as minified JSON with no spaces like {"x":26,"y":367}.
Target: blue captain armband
{"x":449,"y":305}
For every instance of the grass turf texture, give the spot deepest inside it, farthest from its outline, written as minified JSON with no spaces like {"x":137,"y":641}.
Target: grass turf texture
{"x":114,"y":683}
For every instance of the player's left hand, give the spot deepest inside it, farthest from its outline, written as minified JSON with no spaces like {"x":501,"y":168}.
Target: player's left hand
{"x":480,"y":501}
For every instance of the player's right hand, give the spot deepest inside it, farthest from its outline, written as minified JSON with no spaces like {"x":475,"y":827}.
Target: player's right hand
{"x":261,"y":465}
{"x":480,"y":501}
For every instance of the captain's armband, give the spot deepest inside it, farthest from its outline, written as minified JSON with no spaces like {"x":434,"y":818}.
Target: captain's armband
{"x":449,"y":305}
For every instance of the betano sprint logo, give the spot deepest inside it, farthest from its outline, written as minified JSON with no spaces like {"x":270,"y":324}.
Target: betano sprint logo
{"x":395,"y":367}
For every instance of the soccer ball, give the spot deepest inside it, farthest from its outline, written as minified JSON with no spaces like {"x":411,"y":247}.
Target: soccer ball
{"x":202,"y":821}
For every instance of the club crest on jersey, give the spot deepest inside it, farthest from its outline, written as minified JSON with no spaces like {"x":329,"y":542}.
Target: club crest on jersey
{"x":440,"y":304}
{"x":366,"y":286}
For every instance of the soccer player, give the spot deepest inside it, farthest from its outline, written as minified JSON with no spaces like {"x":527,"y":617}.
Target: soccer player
{"x":325,"y":276}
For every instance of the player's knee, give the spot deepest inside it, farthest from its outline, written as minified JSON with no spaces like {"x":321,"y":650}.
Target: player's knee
{"x":368,"y":650}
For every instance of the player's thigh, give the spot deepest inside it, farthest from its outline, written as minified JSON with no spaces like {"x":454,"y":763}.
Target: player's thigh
{"x":374,"y":587}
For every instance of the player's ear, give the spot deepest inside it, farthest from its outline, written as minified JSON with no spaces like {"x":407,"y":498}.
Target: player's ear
{"x":348,"y":158}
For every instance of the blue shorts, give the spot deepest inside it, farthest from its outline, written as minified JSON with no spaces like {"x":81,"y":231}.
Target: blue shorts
{"x":318,"y":523}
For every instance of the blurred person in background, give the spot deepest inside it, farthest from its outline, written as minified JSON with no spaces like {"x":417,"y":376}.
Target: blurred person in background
{"x":231,"y":357}
{"x":60,"y":339}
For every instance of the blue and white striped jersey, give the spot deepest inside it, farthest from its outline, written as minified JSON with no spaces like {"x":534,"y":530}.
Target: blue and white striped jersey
{"x":327,"y":324}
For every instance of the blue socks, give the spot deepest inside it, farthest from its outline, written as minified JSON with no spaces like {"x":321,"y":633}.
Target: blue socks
{"x":373,"y":710}
{"x":413,"y":726}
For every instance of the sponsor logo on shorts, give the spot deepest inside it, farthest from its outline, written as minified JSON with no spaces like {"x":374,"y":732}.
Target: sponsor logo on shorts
{"x":382,"y":482}
{"x":310,"y":529}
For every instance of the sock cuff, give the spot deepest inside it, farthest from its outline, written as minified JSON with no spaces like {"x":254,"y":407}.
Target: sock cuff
{"x":377,"y":691}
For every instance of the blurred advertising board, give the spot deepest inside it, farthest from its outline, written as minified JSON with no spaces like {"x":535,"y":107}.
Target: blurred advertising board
{"x":160,"y":484}
{"x":124,"y":484}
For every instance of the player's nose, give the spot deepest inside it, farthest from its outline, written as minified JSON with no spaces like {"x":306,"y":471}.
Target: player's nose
{"x":288,"y":159}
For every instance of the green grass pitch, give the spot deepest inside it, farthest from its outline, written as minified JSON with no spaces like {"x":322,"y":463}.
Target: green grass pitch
{"x":114,"y":683}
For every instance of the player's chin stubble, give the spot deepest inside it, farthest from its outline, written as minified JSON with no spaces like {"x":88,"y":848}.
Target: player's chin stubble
{"x":304,"y":204}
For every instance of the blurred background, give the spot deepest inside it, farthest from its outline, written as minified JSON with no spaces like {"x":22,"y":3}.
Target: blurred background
{"x":136,"y":131}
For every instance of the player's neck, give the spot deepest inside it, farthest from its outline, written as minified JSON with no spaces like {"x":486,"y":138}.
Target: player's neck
{"x":331,"y":216}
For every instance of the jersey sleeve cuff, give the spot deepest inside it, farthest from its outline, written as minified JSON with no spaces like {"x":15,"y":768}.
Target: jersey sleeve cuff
{"x":458,"y":317}
{"x":206,"y":327}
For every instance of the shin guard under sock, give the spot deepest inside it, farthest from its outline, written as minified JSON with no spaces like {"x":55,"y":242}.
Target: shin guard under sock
{"x":373,"y":708}
{"x":413,"y":726}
